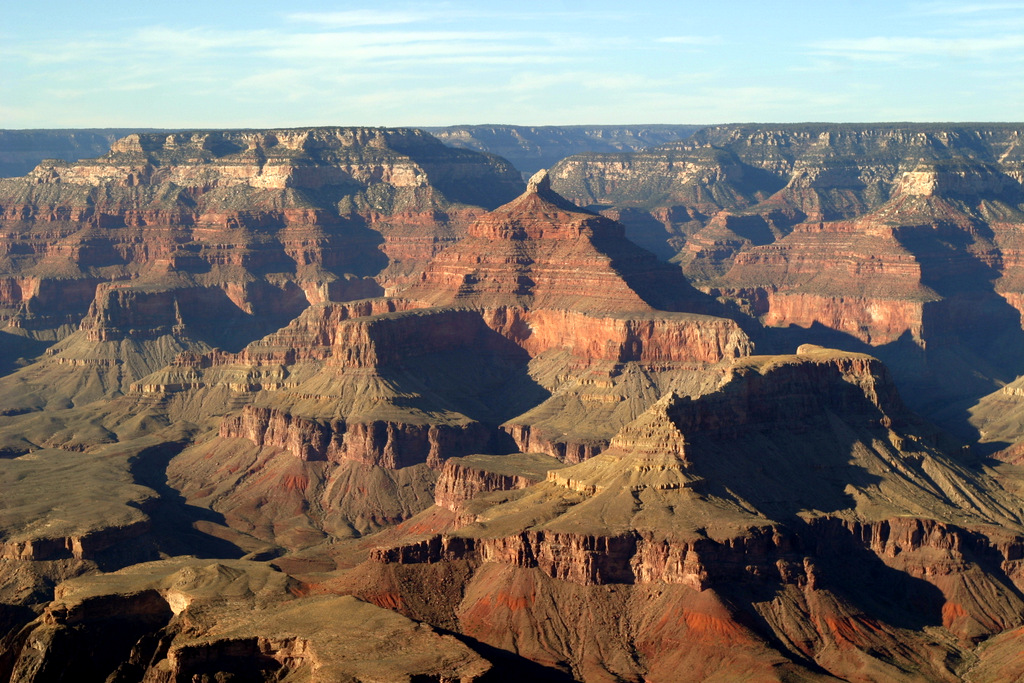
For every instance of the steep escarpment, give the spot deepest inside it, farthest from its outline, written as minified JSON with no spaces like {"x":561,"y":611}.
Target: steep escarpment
{"x":188,"y":618}
{"x":736,"y":189}
{"x":22,"y":150}
{"x":375,"y":387}
{"x":755,"y":489}
{"x":186,"y":242}
{"x":289,"y":404}
{"x":531,"y":148}
{"x":897,"y":239}
{"x":229,"y":208}
{"x":522,"y":254}
{"x":585,"y":303}
{"x":344,"y":399}
{"x":382,"y":443}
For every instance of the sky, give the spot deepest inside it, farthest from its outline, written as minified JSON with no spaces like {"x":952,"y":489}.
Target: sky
{"x":231,"y":64}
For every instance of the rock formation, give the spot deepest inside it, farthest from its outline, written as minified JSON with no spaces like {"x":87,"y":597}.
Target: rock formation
{"x":337,"y":404}
{"x":531,"y":148}
{"x":752,"y":490}
{"x":899,"y":240}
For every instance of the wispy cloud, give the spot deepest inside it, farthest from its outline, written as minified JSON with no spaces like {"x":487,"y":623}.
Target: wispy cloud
{"x":355,"y":18}
{"x":883,"y":48}
{"x":690,"y":40}
{"x":953,"y":9}
{"x":391,"y":47}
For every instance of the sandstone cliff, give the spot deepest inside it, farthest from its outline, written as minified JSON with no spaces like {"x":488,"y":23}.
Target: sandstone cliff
{"x":757,"y":486}
{"x":316,"y":350}
{"x":224,"y":208}
{"x":889,"y":236}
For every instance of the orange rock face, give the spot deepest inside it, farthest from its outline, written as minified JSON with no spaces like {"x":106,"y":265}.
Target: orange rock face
{"x":382,"y":444}
{"x":317,"y":350}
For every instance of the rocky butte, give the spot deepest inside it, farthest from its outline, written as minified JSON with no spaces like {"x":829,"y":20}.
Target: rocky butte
{"x":900,"y":240}
{"x":349,"y":404}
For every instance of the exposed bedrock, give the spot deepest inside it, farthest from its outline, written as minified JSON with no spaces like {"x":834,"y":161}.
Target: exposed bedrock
{"x":909,"y":552}
{"x":529,"y":440}
{"x":89,"y":640}
{"x":647,"y":337}
{"x":228,"y":316}
{"x":463,"y":479}
{"x":380,"y":443}
{"x":88,"y":546}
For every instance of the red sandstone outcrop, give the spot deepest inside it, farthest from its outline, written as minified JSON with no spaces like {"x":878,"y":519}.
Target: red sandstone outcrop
{"x":463,"y":479}
{"x":379,"y":443}
{"x":700,"y":493}
{"x":542,"y":252}
{"x":825,"y":224}
{"x":225,"y":209}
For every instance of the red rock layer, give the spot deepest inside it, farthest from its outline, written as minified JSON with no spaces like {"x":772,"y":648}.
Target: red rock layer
{"x":528,"y":441}
{"x":355,"y":335}
{"x":648,"y":337}
{"x":227,"y":208}
{"x":380,"y":443}
{"x":932,"y":551}
{"x":460,"y":482}
{"x":541,"y":251}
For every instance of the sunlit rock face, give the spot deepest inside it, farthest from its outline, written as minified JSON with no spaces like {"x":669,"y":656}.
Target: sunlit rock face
{"x":347,"y":404}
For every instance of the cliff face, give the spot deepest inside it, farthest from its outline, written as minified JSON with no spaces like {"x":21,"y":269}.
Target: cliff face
{"x":383,"y":444}
{"x":556,"y":280}
{"x":882,"y":208}
{"x":22,"y":150}
{"x":306,"y":205}
{"x":898,"y":239}
{"x":531,"y":148}
{"x":316,"y":348}
{"x":183,"y":619}
{"x":771,"y":484}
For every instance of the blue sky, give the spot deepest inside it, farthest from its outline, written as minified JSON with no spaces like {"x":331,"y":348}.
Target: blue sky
{"x":258,"y":64}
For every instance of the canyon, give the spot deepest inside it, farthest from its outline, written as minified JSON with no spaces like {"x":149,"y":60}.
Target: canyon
{"x":697,"y":403}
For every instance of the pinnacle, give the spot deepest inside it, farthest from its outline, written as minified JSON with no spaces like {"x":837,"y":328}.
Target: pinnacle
{"x":539,"y":183}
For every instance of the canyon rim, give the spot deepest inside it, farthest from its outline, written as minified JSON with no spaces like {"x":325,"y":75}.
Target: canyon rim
{"x":734,"y":402}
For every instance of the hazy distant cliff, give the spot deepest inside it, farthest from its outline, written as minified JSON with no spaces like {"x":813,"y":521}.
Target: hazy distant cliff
{"x":21,"y":150}
{"x":530,"y":148}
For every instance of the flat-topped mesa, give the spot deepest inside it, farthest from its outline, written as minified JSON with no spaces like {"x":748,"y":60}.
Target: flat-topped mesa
{"x":366,"y":334}
{"x":794,"y":391}
{"x":308,"y":158}
{"x":680,"y":437}
{"x":463,"y":479}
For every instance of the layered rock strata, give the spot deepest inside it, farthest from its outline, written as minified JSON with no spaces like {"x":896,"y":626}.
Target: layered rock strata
{"x":379,"y":443}
{"x":774,"y":204}
{"x":230,"y":207}
{"x":703,"y":493}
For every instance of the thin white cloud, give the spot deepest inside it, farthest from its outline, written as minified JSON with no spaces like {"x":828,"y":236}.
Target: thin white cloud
{"x":948,"y":9}
{"x":355,"y":18}
{"x":690,"y":40}
{"x":196,"y":40}
{"x":380,"y":47}
{"x":882,"y":48}
{"x":390,"y":47}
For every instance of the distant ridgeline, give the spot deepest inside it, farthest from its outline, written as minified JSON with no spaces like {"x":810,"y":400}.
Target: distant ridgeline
{"x":529,"y":148}
{"x":22,"y":150}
